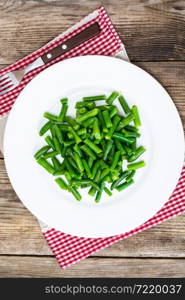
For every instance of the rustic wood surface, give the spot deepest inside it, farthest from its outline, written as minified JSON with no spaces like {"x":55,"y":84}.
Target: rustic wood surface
{"x":153,"y":32}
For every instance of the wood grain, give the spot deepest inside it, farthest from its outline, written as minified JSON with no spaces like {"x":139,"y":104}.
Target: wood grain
{"x":153,"y":33}
{"x":20,"y":228}
{"x":151,"y":30}
{"x":91,"y":267}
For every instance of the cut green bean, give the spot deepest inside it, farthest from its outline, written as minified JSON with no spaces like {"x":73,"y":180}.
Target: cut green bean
{"x":71,"y":121}
{"x":124,"y":104}
{"x":88,"y":105}
{"x":75,"y":193}
{"x":107,"y":119}
{"x":63,"y":112}
{"x":88,"y":151}
{"x":57,"y":145}
{"x":124,"y":185}
{"x":107,"y":149}
{"x":121,"y":177}
{"x":94,"y":98}
{"x":50,"y":117}
{"x":131,"y":175}
{"x":137,"y":121}
{"x":46,"y":165}
{"x":87,"y":168}
{"x":107,"y":191}
{"x":50,"y":142}
{"x":123,"y":138}
{"x":45,"y":128}
{"x":56,"y":163}
{"x":58,"y":133}
{"x":99,"y":193}
{"x":125,"y":121}
{"x":88,"y":122}
{"x":115,"y":160}
{"x":50,"y":154}
{"x":91,"y":145}
{"x":95,"y":169}
{"x":61,"y":183}
{"x":89,"y":114}
{"x":41,"y":151}
{"x":136,"y":165}
{"x":116,"y":121}
{"x":82,"y":131}
{"x":96,"y":129}
{"x":112,"y":97}
{"x":90,"y":161}
{"x":113,"y":112}
{"x":119,"y":146}
{"x":78,"y":162}
{"x":92,"y":191}
{"x":78,"y":150}
{"x":75,"y":135}
{"x":138,"y":152}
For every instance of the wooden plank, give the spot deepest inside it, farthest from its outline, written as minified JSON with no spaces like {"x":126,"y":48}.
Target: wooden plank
{"x":13,"y":266}
{"x":151,"y":30}
{"x":20,"y":228}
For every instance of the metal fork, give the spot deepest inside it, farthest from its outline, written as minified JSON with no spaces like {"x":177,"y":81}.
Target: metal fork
{"x":12,"y":79}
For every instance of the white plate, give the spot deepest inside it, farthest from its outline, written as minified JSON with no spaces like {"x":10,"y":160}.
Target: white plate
{"x":162,"y":134}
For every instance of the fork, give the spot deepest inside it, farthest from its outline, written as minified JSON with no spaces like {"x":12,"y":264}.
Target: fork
{"x":12,"y":79}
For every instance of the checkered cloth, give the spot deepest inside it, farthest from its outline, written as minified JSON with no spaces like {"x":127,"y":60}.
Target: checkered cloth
{"x":66,"y":248}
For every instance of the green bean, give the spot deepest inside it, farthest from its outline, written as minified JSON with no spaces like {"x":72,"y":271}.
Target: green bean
{"x":104,"y":173}
{"x":107,"y":191}
{"x":41,"y":151}
{"x":67,"y":176}
{"x":72,"y":163}
{"x":57,"y":145}
{"x":102,"y":122}
{"x":128,"y":150}
{"x":91,"y":145}
{"x":89,"y":114}
{"x":88,"y":122}
{"x":124,"y":104}
{"x":78,"y":150}
{"x":105,"y":107}
{"x":125,"y":121}
{"x":116,"y":121}
{"x":63,"y":151}
{"x":97,"y":176}
{"x":64,"y":100}
{"x":136,"y":165}
{"x":99,"y":193}
{"x":82,"y":131}
{"x":95,"y":169}
{"x":50,"y":117}
{"x":131,"y":175}
{"x":115,"y":160}
{"x":96,"y":129}
{"x":107,"y":118}
{"x":70,"y":168}
{"x":58,"y":133}
{"x":78,"y":162}
{"x":121,"y":177}
{"x":45,"y":128}
{"x":88,"y":151}
{"x":124,"y":185}
{"x":63,"y":112}
{"x":61,"y":183}
{"x":86,"y":181}
{"x":107,"y":149}
{"x":86,"y":167}
{"x":90,"y":162}
{"x":92,"y":191}
{"x":103,"y":164}
{"x":50,"y":154}
{"x":75,"y":135}
{"x":139,"y":151}
{"x":56,"y":163}
{"x":94,"y":98}
{"x":75,"y":193}
{"x":131,"y":128}
{"x":53,"y":133}
{"x":112,"y":97}
{"x":123,"y":138}
{"x":58,"y":173}
{"x":68,"y":143}
{"x":111,"y":153}
{"x":89,"y":105}
{"x":119,"y":146}
{"x":63,"y":127}
{"x":137,"y":121}
{"x":72,"y":122}
{"x":82,"y":110}
{"x":113,"y":112}
{"x":46,"y":165}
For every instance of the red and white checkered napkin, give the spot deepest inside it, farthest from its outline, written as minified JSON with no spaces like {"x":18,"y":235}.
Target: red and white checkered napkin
{"x":70,"y":249}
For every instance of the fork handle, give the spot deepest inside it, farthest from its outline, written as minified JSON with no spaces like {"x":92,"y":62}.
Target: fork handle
{"x":71,"y":43}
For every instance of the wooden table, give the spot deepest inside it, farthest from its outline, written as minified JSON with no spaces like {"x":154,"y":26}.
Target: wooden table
{"x":153,"y":33}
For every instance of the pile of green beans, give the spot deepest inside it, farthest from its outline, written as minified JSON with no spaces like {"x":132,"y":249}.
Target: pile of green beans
{"x":93,"y":146}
